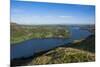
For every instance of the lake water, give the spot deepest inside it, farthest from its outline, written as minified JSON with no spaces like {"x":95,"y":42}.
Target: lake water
{"x":29,"y":47}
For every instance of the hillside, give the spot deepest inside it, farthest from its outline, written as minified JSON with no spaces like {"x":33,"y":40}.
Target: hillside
{"x":17,"y":33}
{"x":80,"y":51}
{"x":20,"y":33}
{"x":83,"y":51}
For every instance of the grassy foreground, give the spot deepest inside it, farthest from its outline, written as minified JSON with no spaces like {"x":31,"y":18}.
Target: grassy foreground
{"x":64,"y":55}
{"x":80,"y":51}
{"x":83,"y":51}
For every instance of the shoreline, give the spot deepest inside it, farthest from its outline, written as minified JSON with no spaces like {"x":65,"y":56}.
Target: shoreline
{"x":37,"y":39}
{"x":21,"y":61}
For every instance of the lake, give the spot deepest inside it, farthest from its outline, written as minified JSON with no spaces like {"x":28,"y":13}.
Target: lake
{"x":29,"y":47}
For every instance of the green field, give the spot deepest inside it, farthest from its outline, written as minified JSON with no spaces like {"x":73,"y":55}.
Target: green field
{"x":20,"y":33}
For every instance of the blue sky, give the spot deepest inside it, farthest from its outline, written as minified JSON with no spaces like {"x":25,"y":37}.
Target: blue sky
{"x":51,"y":13}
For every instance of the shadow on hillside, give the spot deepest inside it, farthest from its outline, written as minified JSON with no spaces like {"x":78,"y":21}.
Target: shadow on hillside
{"x":87,"y":45}
{"x":25,"y":60}
{"x":21,"y":61}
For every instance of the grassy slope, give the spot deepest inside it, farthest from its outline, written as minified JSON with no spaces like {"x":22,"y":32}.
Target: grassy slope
{"x":80,"y":51}
{"x":20,"y":33}
{"x":83,"y":51}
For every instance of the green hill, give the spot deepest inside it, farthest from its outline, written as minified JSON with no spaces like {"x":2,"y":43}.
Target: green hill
{"x":21,"y":33}
{"x":17,"y":33}
{"x":80,"y":51}
{"x":83,"y":51}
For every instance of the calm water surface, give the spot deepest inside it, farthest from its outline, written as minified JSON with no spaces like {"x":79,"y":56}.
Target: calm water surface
{"x":29,"y":47}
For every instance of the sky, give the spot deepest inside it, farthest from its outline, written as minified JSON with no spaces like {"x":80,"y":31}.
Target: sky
{"x":51,"y":13}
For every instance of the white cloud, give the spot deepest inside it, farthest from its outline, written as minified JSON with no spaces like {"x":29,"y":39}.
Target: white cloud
{"x":65,"y":16}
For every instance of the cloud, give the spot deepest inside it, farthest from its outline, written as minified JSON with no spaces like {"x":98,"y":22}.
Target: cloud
{"x":65,"y":16}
